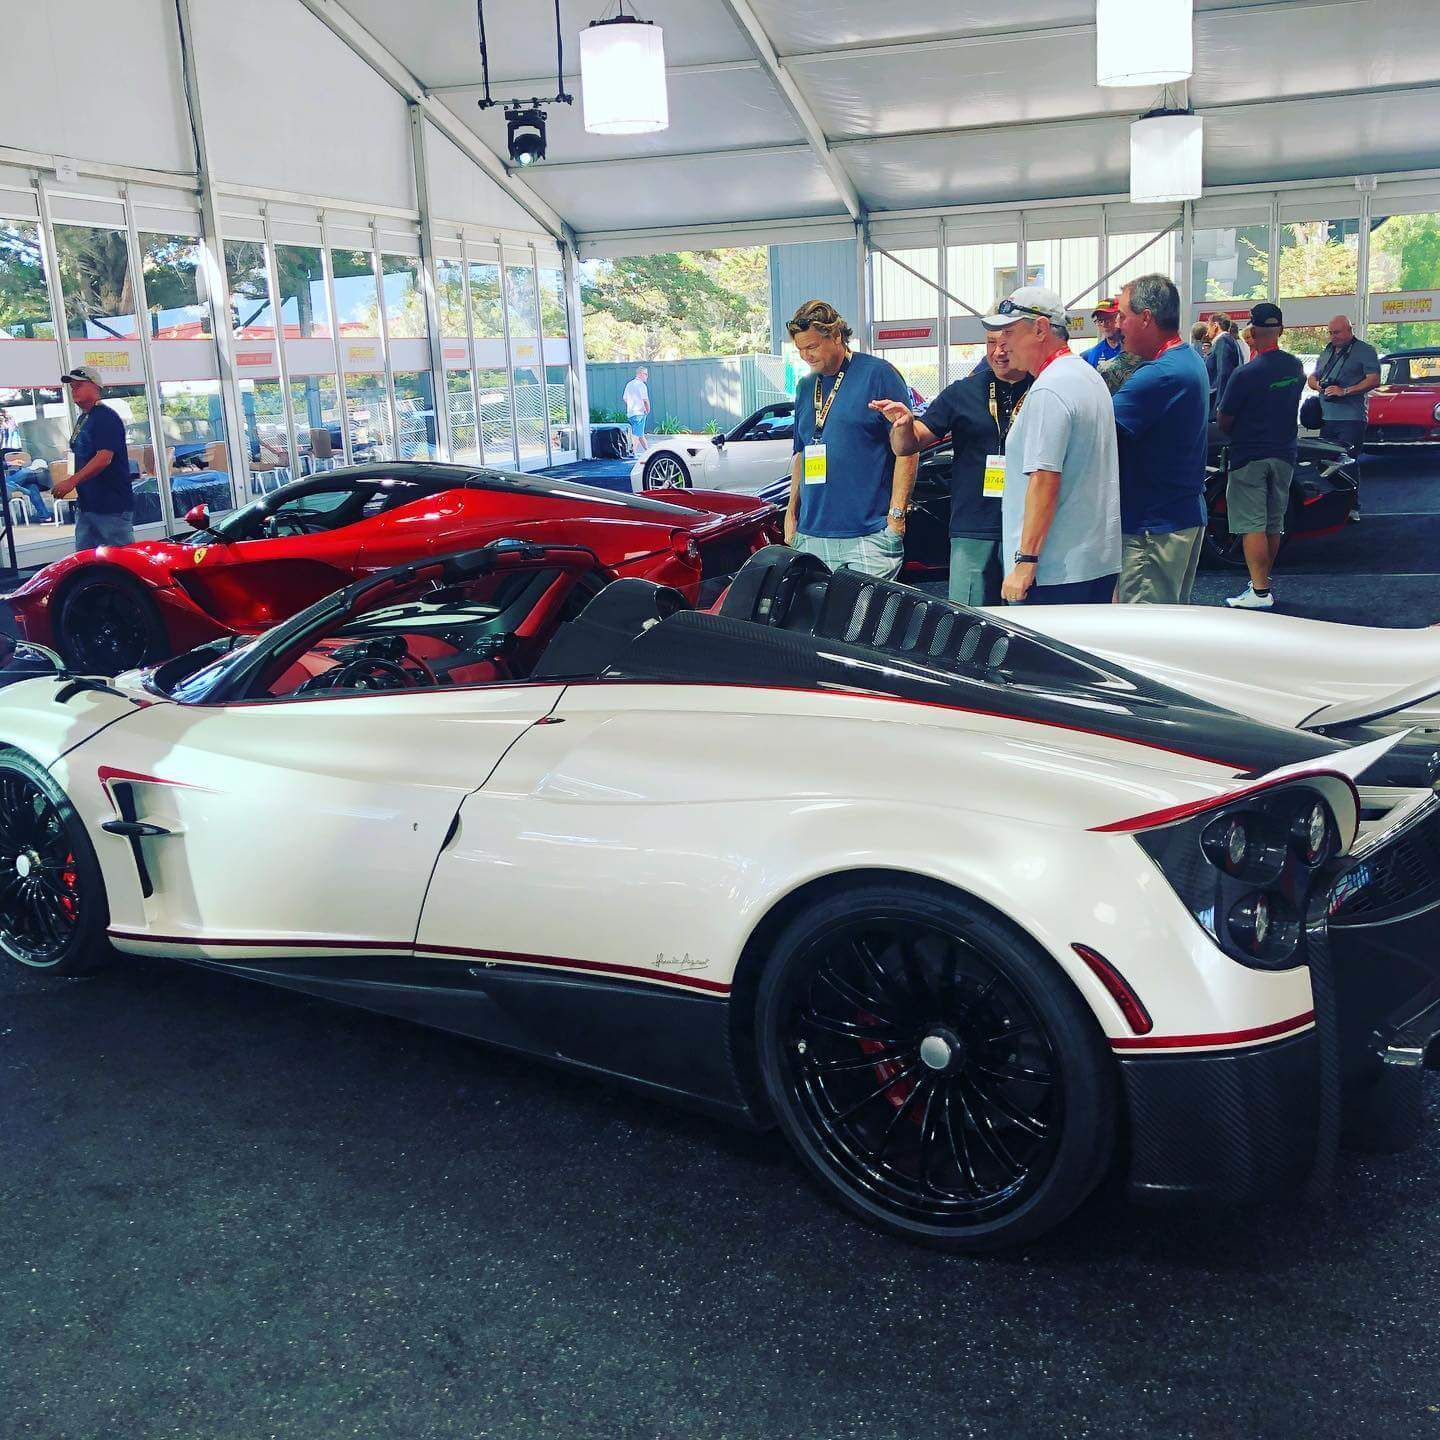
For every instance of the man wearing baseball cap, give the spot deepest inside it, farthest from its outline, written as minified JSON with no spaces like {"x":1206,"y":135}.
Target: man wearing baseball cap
{"x":1260,"y":412}
{"x":1106,"y":316}
{"x":1060,"y":513}
{"x":101,"y":482}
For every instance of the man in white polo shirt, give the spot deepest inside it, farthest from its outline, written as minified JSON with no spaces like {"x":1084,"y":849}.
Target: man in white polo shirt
{"x":637,"y":406}
{"x":1060,"y":512}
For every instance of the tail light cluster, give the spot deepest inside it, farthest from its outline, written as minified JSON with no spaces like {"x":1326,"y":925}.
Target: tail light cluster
{"x":1247,"y":871}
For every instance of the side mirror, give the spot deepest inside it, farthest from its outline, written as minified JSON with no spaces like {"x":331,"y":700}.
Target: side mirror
{"x":197,"y":517}
{"x":718,"y":441}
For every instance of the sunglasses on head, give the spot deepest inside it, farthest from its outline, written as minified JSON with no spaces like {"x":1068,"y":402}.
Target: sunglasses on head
{"x":1013,"y":307}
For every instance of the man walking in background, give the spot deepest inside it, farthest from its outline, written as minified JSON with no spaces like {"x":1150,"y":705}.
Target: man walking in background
{"x":1259,"y":411}
{"x":637,"y":406}
{"x":1223,"y":359}
{"x":976,"y":413}
{"x":1061,"y":509}
{"x":1346,"y":369}
{"x":101,"y":482}
{"x":1106,"y":316}
{"x":849,"y":492}
{"x":1162,"y":419}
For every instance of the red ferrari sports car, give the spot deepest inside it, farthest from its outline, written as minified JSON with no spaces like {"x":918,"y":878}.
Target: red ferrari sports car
{"x":1404,"y":409}
{"x":111,"y":609}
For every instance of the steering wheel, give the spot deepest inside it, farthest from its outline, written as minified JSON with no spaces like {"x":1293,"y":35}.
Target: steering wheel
{"x":372,"y":673}
{"x":293,"y":523}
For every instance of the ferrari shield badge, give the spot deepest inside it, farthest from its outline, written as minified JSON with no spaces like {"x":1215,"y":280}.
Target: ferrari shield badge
{"x":200,"y":553}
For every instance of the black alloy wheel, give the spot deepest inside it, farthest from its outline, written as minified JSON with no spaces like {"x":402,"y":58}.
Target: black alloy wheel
{"x":941,"y":1077}
{"x":107,"y":624}
{"x":666,"y":472}
{"x":53,"y":913}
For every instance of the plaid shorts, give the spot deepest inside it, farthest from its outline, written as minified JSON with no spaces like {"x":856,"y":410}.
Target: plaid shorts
{"x":879,"y":555}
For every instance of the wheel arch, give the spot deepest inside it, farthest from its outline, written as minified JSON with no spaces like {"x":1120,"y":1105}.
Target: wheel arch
{"x":745,"y":984}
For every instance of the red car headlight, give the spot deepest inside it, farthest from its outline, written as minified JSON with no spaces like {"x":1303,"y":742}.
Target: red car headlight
{"x":1435,"y":414}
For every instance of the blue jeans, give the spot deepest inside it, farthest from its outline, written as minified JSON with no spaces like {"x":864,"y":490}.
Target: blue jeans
{"x":26,"y":481}
{"x":94,"y":528}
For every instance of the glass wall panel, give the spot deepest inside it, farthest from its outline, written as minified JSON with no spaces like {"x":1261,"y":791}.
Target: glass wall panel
{"x":1231,"y":263}
{"x":409,"y":358}
{"x":920,"y":369}
{"x":497,"y":420}
{"x":554,"y":325}
{"x":305,"y":319}
{"x":459,"y":394}
{"x":1318,"y":257}
{"x":1404,"y":255}
{"x":963,"y":359}
{"x":24,"y":292}
{"x":1067,"y":265}
{"x":362,"y":353}
{"x":1159,"y":257}
{"x":982,"y":274}
{"x":34,"y":423}
{"x":257,"y":368}
{"x":187,"y":373}
{"x":101,"y":321}
{"x":899,"y":295}
{"x":522,"y":300}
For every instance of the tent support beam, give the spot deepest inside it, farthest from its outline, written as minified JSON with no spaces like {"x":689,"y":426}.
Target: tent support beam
{"x":744,"y":16}
{"x":341,"y":23}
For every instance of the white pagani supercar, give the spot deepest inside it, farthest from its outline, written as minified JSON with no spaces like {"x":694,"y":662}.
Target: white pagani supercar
{"x":974,"y":914}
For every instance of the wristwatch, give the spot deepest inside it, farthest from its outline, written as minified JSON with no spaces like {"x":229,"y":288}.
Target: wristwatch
{"x":1021,"y":558}
{"x":896,"y":514}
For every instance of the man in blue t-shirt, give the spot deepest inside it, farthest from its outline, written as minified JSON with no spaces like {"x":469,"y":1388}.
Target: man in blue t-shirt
{"x":1162,"y":415}
{"x":1106,"y":316}
{"x":101,"y":482}
{"x":849,"y":493}
{"x":1260,"y":412}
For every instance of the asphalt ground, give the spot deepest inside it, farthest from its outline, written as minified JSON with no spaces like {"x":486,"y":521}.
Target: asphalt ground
{"x":229,"y":1213}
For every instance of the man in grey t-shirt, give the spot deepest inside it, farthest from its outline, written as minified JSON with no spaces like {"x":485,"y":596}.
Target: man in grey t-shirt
{"x":1060,"y":512}
{"x":1346,"y":369}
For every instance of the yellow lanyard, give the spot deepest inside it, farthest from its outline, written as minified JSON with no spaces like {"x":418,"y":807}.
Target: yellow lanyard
{"x":995,"y":416}
{"x":821,"y":411}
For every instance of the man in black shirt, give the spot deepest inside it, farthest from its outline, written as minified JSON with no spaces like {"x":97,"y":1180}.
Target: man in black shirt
{"x":976,"y":413}
{"x":1260,"y":412}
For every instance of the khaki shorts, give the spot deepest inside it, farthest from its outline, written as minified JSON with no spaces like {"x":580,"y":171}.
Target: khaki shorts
{"x":1157,"y":567}
{"x":1256,"y":496}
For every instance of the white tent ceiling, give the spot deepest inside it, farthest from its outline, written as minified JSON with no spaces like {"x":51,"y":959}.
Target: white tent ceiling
{"x":780,"y":111}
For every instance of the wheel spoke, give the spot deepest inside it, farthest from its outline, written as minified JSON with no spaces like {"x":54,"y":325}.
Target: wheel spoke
{"x":959,"y":1145}
{"x":984,"y":1127}
{"x":877,"y":1092}
{"x":875,"y":1004}
{"x":1028,"y":1123}
{"x":863,"y":1062}
{"x":848,"y":1029}
{"x":1015,"y":1072}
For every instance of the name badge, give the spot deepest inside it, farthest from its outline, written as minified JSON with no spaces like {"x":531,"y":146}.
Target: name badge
{"x":994,"y":476}
{"x":814,"y":464}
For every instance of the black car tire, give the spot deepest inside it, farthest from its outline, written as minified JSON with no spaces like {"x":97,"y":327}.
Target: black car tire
{"x":901,"y":991}
{"x":666,"y":472}
{"x":54,"y":917}
{"x":107,"y":624}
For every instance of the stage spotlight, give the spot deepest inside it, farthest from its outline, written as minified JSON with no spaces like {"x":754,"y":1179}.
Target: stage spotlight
{"x":525,"y":134}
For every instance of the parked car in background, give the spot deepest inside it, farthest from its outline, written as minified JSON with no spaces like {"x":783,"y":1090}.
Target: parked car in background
{"x":1405,"y":408}
{"x":746,"y":458}
{"x":109,"y":609}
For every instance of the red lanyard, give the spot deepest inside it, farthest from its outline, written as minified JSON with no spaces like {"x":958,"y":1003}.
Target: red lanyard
{"x":1168,"y":345}
{"x":1054,"y":355}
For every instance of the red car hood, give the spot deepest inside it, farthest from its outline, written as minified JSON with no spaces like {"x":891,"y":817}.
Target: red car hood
{"x":1402,"y":404}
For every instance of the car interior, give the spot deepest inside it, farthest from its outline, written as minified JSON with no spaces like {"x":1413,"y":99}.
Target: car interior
{"x":325,"y":505}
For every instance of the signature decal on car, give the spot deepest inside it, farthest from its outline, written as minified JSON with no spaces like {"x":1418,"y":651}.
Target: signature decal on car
{"x":678,"y":962}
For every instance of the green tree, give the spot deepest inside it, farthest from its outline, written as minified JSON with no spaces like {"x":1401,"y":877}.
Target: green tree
{"x":1312,"y":262}
{"x":1405,"y":255}
{"x":677,"y":306}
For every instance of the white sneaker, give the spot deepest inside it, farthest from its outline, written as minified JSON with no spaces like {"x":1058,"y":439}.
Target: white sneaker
{"x":1247,"y":599}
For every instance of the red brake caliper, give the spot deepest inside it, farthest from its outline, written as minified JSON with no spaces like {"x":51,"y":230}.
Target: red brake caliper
{"x":70,"y":878}
{"x":900,"y":1092}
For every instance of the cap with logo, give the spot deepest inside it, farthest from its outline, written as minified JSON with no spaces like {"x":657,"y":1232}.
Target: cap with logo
{"x":81,"y":372}
{"x":1107,"y":307}
{"x":1266,"y":314}
{"x":1029,"y":302}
